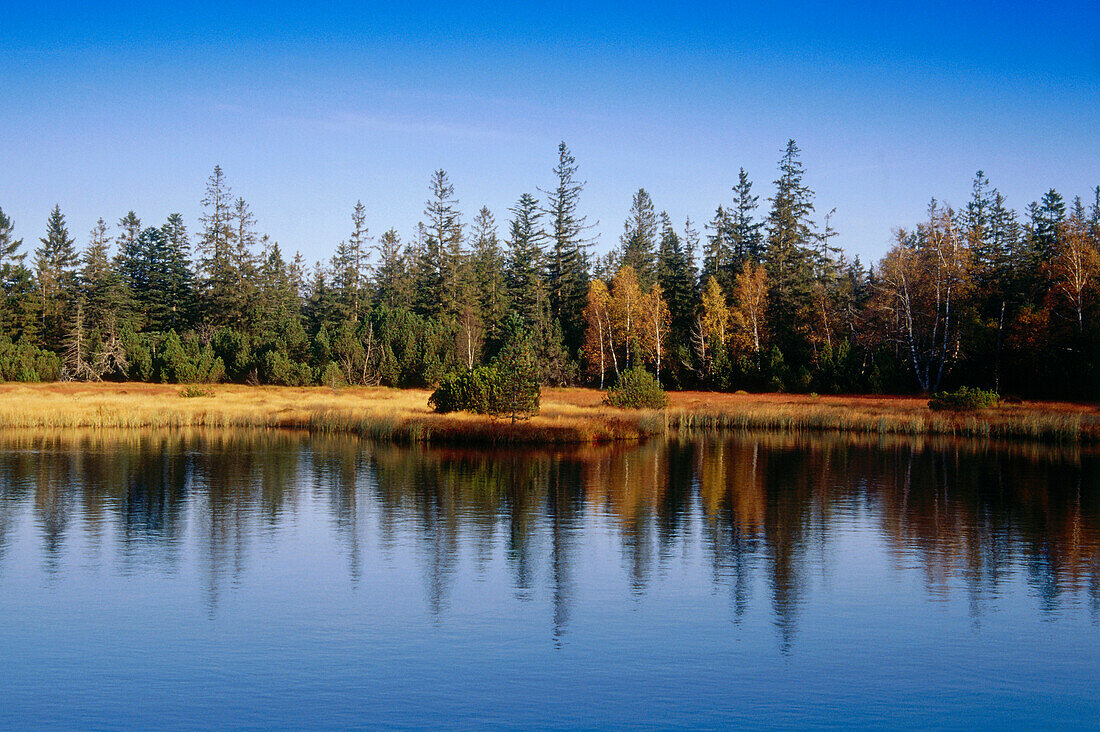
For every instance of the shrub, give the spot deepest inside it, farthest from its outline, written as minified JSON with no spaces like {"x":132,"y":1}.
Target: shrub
{"x":332,"y":376}
{"x":508,"y":386}
{"x":477,"y":390}
{"x":964,"y":399}
{"x":192,"y":391}
{"x":637,"y":389}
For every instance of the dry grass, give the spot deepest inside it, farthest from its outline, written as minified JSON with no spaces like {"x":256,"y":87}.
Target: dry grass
{"x":380,"y":413}
{"x":568,"y":415}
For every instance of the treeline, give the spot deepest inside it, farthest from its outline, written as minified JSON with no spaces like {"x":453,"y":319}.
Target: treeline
{"x":762,"y":299}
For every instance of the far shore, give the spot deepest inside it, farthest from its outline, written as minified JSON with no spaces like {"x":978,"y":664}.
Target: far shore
{"x":571,"y":415}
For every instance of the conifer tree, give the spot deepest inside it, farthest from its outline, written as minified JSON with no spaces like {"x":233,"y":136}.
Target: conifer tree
{"x":488,"y":272}
{"x":217,"y":279}
{"x":17,"y":301}
{"x":675,"y":278}
{"x":173,"y":272}
{"x":440,"y":256}
{"x":788,"y":257}
{"x":745,"y":240}
{"x":55,"y":265}
{"x":639,"y":240}
{"x":717,"y":253}
{"x":567,"y":265}
{"x":350,"y":266}
{"x":391,"y":276}
{"x":105,"y":292}
{"x":526,"y":259}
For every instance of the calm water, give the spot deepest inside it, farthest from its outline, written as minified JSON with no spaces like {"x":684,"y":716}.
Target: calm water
{"x":277,"y":581}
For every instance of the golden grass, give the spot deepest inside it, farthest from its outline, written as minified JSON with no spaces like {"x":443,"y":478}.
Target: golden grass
{"x":567,"y":416}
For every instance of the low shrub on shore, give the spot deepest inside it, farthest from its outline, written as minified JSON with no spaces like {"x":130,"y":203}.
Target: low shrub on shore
{"x":637,"y":389}
{"x":964,"y":399}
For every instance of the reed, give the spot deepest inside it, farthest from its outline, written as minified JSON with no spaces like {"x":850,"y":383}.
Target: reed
{"x":566,"y":416}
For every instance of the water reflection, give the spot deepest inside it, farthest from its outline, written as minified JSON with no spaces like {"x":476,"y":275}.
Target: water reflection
{"x":763,"y":514}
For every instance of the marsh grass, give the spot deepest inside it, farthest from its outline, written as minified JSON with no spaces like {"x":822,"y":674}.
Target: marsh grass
{"x":566,"y":416}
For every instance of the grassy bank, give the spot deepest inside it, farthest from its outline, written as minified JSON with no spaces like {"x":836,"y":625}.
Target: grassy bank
{"x":568,"y":415}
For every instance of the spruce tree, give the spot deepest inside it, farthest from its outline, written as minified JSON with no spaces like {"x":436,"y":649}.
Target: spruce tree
{"x":745,"y":240}
{"x":717,"y":253}
{"x":105,"y":292}
{"x":567,"y":265}
{"x":675,"y":277}
{"x":788,"y":257}
{"x":55,"y":267}
{"x":217,"y":280}
{"x":17,"y":297}
{"x":172,"y":261}
{"x":526,"y":259}
{"x":391,"y":276}
{"x":639,"y":239}
{"x":439,"y":276}
{"x":488,"y":271}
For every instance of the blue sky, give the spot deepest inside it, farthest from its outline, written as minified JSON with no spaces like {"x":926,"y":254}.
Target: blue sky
{"x":108,"y":109}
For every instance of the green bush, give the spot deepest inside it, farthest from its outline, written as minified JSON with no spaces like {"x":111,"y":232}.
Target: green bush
{"x":477,"y":390}
{"x":637,"y":389}
{"x":22,"y":361}
{"x":964,"y":399}
{"x":192,"y":391}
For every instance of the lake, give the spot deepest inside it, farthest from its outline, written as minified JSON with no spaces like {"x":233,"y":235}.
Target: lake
{"x":214,"y":579}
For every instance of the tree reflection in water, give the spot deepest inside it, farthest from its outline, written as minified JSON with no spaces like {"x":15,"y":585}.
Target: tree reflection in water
{"x":763,"y":510}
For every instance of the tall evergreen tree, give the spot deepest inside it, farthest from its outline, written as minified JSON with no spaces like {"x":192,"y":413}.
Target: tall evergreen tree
{"x":675,"y":277}
{"x":745,"y":239}
{"x":526,"y":259}
{"x":488,"y":270}
{"x":717,"y":253}
{"x":217,"y":278}
{"x":17,"y":301}
{"x":55,"y":265}
{"x":350,"y":266}
{"x":788,"y":257}
{"x":391,"y":277}
{"x":441,"y":268}
{"x":639,"y":239}
{"x":173,"y":271}
{"x":567,"y":265}
{"x":106,"y":296}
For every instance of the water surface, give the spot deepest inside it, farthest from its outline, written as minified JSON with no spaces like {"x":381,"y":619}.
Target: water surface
{"x":276,"y":580}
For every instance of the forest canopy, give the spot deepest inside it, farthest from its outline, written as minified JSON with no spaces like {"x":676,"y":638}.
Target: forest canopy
{"x":763,"y":298}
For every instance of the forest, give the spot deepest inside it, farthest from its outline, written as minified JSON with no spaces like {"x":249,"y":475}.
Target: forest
{"x":760,"y":298}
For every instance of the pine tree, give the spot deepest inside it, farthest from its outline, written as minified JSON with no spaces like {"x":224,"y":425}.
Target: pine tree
{"x":172,"y":263}
{"x":639,"y":240}
{"x":441,"y":257}
{"x":675,"y":277}
{"x":788,"y":257}
{"x":17,"y":301}
{"x":488,"y":271}
{"x":217,"y":280}
{"x":526,"y":259}
{"x":55,"y":265}
{"x":745,"y":240}
{"x":717,"y":253}
{"x":105,"y":292}
{"x":567,"y":266}
{"x":350,"y":266}
{"x":391,"y":277}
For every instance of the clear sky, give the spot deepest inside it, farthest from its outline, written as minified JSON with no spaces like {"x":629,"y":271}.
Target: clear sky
{"x":308,"y":110}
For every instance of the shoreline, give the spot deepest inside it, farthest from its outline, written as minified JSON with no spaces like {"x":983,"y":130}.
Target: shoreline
{"x":568,"y":415}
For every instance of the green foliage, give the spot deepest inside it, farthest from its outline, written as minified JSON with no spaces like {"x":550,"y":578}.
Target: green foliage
{"x":23,"y":361}
{"x":193,"y":391}
{"x":479,"y":390}
{"x":276,"y":367}
{"x":963,"y":399}
{"x":637,"y":389}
